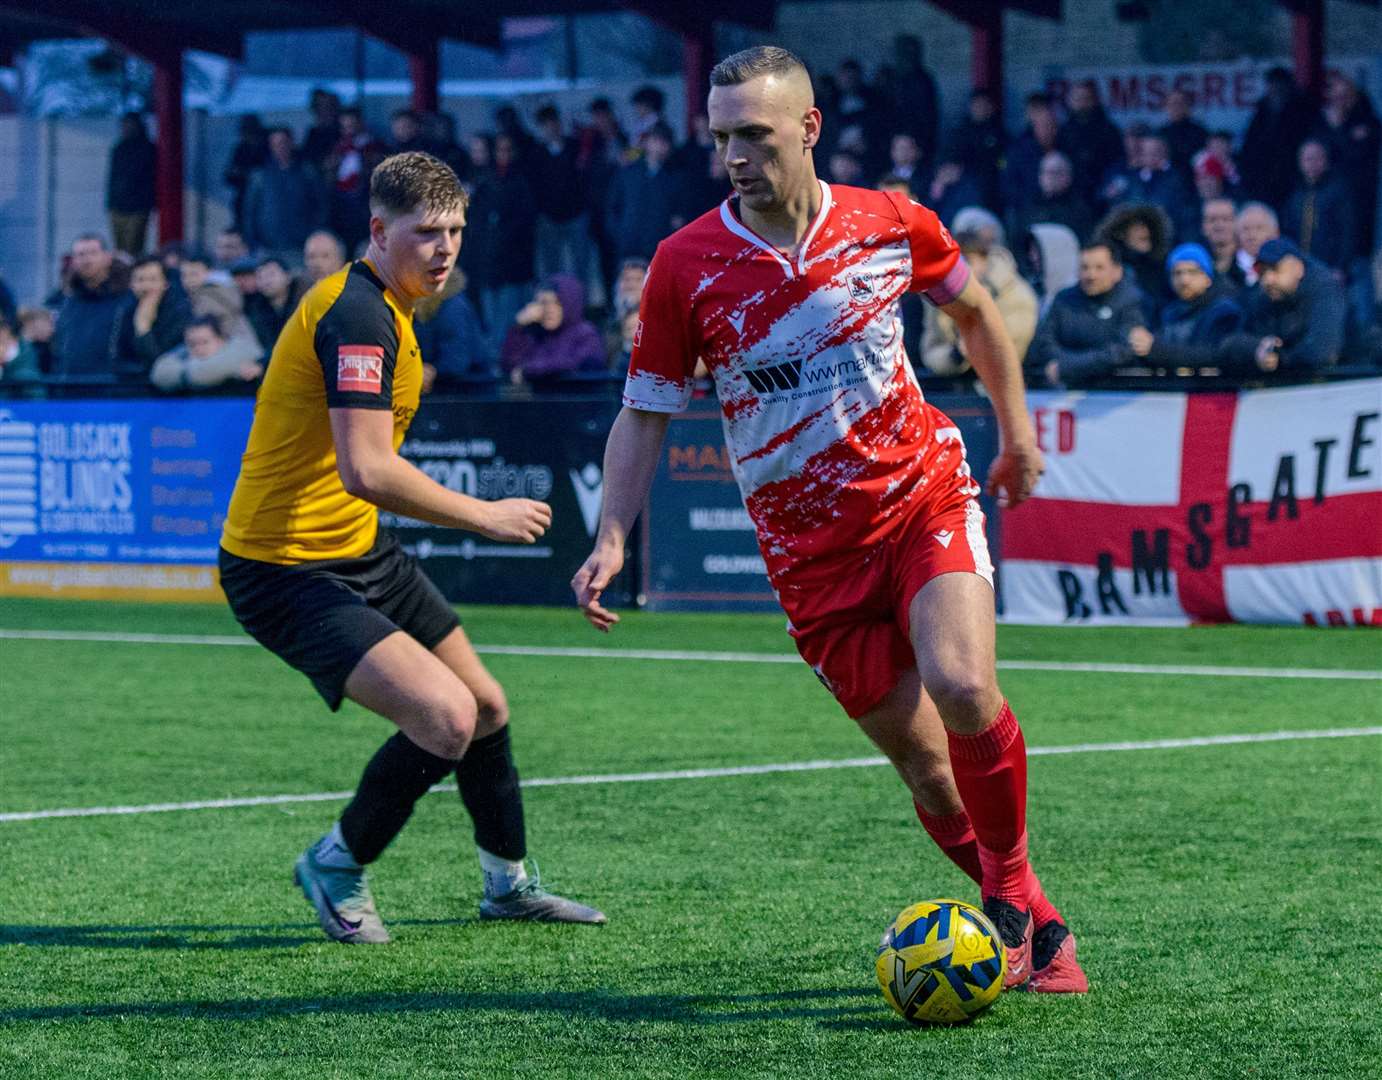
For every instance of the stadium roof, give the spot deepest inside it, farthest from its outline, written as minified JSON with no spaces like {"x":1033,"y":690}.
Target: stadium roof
{"x":219,"y":26}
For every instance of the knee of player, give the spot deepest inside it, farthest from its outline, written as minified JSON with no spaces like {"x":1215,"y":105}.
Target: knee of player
{"x":962,"y":692}
{"x":930,"y":774}
{"x":452,"y":722}
{"x":493,"y":711}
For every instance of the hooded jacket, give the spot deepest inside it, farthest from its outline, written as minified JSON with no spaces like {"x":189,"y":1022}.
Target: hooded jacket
{"x":573,"y":346}
{"x":1147,"y":268}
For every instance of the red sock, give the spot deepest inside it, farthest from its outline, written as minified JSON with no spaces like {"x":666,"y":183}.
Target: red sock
{"x":954,"y":835}
{"x":1043,"y":911}
{"x":991,"y":773}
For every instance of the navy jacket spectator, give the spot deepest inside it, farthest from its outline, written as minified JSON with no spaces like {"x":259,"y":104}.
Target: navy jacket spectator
{"x":267,"y":319}
{"x":951,"y":190}
{"x":1089,"y":139}
{"x":86,"y":340}
{"x":1059,"y":203}
{"x":1184,"y":137}
{"x":325,"y":132}
{"x":1158,"y":182}
{"x":452,"y":340}
{"x":1022,"y":169}
{"x":1192,"y":330}
{"x":1067,"y":209}
{"x":1192,"y":326}
{"x":648,"y":200}
{"x":1294,"y":319}
{"x":1354,"y":135}
{"x":272,"y":303}
{"x":1084,"y":333}
{"x":1319,"y":216}
{"x":912,"y":95}
{"x":552,"y":165}
{"x":285,"y":201}
{"x":1283,"y":118}
{"x":251,"y":152}
{"x":138,"y":351}
{"x":500,"y":237}
{"x":977,"y":144}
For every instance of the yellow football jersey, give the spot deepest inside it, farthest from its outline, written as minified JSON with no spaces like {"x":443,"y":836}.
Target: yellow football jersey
{"x":348,"y":345}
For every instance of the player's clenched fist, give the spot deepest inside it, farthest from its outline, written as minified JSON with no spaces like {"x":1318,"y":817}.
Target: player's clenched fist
{"x":516,"y":521}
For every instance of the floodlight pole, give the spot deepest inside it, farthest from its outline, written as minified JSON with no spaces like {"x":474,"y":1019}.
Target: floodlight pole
{"x":424,"y":68}
{"x":168,"y":170}
{"x":986,"y":52}
{"x":1307,"y":44}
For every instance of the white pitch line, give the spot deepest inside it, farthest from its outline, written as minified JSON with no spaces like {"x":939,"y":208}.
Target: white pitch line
{"x":586,"y":652}
{"x":700,"y":774}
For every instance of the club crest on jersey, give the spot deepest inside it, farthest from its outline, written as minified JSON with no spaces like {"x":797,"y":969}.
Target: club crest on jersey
{"x":861,"y":288}
{"x":360,"y":368}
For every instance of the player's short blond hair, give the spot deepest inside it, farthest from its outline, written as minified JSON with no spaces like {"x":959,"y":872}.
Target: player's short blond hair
{"x":404,"y":182}
{"x":749,"y":64}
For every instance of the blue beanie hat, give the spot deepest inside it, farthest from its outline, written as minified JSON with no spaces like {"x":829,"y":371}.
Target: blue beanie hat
{"x":1192,"y":253}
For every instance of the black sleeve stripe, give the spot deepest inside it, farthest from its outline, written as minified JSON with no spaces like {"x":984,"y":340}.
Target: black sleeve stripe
{"x":357,"y":344}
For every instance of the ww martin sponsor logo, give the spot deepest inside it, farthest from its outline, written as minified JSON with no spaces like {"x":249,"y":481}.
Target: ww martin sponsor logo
{"x":794,"y":373}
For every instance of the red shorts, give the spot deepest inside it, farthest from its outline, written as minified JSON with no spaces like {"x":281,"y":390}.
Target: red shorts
{"x":848,"y":613}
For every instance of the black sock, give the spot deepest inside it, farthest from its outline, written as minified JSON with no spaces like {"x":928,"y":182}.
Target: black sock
{"x":489,"y":788}
{"x":396,"y":777}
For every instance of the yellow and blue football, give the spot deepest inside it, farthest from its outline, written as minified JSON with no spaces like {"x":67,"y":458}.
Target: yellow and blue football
{"x":941,"y":962}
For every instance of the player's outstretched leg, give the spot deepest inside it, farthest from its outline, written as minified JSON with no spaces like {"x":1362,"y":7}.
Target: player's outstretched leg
{"x":952,"y":630}
{"x":402,"y":681}
{"x":488,"y":782}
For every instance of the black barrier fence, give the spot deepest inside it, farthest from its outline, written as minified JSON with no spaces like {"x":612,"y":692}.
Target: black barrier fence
{"x":695,"y":548}
{"x":550,"y":450}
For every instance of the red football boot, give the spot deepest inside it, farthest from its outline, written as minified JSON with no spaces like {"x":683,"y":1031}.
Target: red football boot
{"x":1015,"y":928}
{"x":1055,"y":970}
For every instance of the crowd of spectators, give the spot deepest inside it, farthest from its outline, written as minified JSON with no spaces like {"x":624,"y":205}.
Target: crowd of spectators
{"x":1169,"y":246}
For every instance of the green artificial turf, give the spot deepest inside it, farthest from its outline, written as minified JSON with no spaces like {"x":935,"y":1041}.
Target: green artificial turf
{"x":1224,"y":896}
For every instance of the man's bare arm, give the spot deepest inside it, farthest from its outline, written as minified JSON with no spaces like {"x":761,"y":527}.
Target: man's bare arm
{"x":371,"y":469}
{"x":631,"y":457}
{"x":990,"y":350}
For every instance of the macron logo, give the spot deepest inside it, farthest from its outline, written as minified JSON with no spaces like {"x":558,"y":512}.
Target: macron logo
{"x":589,"y":485}
{"x":736,"y":321}
{"x":360,"y":368}
{"x":944,"y":537}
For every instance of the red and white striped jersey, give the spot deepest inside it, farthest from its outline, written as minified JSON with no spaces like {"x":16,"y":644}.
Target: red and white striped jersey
{"x":823,"y":418}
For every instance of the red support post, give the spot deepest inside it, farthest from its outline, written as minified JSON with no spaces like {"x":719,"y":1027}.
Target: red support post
{"x":697,"y":58}
{"x":424,"y":68}
{"x":986,"y":50}
{"x":1307,"y":45}
{"x":168,"y":182}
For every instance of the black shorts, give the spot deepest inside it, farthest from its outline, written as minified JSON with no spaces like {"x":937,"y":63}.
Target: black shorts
{"x":322,"y":617}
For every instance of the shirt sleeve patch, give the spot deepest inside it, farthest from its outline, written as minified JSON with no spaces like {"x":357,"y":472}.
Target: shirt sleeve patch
{"x":360,"y":368}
